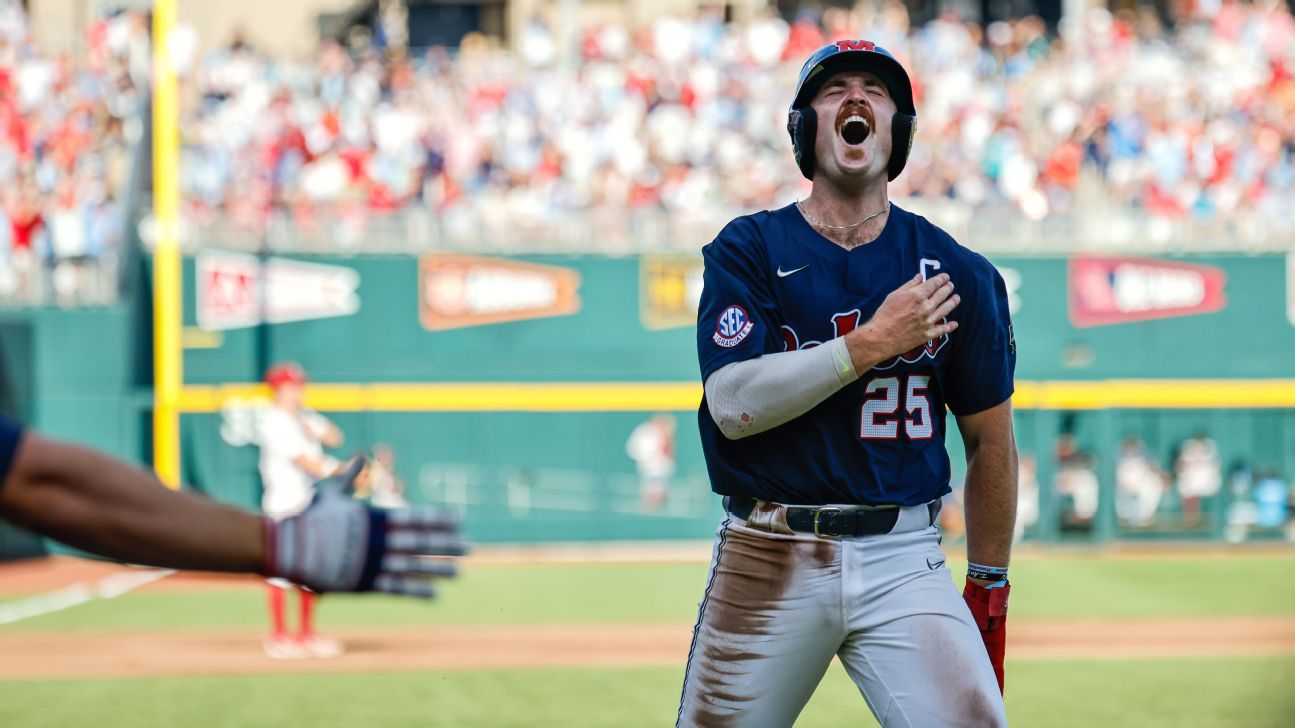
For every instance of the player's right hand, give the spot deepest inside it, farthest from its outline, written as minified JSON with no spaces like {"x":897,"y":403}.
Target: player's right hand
{"x":340,"y":545}
{"x":912,"y":315}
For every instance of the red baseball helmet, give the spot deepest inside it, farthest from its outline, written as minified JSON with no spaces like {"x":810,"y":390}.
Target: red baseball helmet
{"x":285,"y":373}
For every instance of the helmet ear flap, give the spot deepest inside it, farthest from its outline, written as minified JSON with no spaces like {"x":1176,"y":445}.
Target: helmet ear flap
{"x":802,"y":125}
{"x":902,"y":129}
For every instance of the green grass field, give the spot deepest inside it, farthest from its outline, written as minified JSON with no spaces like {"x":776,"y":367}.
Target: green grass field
{"x":1233,"y":691}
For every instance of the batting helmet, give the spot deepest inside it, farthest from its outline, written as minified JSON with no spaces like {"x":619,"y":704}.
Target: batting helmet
{"x":851,"y":55}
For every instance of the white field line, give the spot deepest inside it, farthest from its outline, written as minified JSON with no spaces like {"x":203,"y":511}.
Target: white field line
{"x":109,"y":587}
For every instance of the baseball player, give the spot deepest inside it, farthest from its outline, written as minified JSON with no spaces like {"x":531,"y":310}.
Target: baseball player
{"x":102,"y":505}
{"x":292,"y":440}
{"x":831,"y":340}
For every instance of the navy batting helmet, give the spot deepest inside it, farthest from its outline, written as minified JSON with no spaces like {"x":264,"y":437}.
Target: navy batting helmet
{"x":851,"y":55}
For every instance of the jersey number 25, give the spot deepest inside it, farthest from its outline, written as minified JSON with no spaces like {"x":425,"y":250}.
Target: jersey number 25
{"x":881,"y":418}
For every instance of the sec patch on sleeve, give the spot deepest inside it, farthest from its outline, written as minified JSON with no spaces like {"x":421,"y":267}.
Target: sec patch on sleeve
{"x":733,"y":326}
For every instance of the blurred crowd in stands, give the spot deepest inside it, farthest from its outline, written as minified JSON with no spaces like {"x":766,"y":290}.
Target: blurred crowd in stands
{"x":681,"y":120}
{"x":686,"y":118}
{"x":66,"y":125}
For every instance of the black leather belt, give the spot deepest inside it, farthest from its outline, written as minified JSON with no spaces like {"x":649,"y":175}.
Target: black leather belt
{"x":831,"y":522}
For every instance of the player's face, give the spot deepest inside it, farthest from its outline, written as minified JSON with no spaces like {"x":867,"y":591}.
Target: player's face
{"x":853,"y":138}
{"x":288,"y":396}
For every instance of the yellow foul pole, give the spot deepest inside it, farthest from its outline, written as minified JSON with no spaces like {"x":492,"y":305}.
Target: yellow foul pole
{"x":168,"y":375}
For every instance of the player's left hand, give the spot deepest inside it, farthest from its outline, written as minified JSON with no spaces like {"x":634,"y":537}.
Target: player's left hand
{"x":340,"y":545}
{"x":989,"y":609}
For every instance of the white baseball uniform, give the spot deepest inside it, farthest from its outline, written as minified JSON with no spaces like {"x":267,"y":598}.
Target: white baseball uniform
{"x":284,"y":437}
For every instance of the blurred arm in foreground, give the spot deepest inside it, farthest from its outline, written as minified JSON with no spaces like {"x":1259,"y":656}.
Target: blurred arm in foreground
{"x":105,"y":506}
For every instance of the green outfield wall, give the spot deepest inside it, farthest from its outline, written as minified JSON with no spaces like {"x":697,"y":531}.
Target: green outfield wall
{"x":508,"y":387}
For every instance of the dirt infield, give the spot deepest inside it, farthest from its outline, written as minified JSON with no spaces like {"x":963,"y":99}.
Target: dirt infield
{"x":233,"y":652}
{"x":33,"y":576}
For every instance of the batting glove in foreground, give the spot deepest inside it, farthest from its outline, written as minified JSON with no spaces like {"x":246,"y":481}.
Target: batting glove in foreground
{"x":340,"y":545}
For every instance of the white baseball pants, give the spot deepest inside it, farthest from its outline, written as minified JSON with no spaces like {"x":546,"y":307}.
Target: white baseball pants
{"x":778,"y":605}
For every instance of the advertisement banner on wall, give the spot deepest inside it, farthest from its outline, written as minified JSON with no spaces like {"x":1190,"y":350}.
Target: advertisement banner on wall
{"x":1114,"y":289}
{"x":669,"y":291}
{"x":228,"y":289}
{"x":456,"y":291}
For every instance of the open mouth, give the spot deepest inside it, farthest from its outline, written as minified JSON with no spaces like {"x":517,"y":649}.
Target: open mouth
{"x":855,"y":129}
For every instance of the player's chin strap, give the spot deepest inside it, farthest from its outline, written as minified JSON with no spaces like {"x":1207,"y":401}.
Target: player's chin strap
{"x":988,"y":605}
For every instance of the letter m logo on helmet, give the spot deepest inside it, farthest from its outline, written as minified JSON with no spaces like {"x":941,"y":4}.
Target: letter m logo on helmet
{"x":856,"y":45}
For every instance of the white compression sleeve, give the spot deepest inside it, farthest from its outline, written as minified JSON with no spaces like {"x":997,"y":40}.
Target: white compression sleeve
{"x":749,"y":397}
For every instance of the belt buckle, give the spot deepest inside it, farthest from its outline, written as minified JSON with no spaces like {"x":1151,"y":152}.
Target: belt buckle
{"x":820,"y":512}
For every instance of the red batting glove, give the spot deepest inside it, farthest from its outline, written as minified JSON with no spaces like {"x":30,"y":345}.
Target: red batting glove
{"x":989,"y":609}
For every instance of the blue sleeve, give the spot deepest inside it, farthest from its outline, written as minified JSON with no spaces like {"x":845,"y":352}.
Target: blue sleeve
{"x":737,"y":316}
{"x":982,"y":368}
{"x":10,"y":436}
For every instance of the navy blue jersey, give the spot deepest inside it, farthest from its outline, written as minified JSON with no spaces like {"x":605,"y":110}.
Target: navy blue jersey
{"x":10,"y":434}
{"x":772,"y":284}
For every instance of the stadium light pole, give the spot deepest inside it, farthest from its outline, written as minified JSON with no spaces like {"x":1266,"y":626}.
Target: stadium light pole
{"x":167,"y":362}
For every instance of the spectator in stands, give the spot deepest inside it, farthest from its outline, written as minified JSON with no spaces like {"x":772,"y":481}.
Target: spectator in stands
{"x":26,"y":222}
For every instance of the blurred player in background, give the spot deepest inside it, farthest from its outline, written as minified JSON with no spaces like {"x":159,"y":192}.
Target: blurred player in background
{"x":1076,"y":478}
{"x":830,"y":341}
{"x":1139,"y":484}
{"x":292,"y":440}
{"x":1199,"y":475}
{"x":651,"y":446}
{"x":1027,"y":496}
{"x":1272,"y":502}
{"x":379,"y":484}
{"x":105,"y":506}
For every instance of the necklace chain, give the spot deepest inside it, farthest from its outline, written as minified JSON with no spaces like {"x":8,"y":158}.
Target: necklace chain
{"x":820,"y":223}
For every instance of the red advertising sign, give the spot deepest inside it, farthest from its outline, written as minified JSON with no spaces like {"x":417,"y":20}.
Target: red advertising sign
{"x":1115,"y":290}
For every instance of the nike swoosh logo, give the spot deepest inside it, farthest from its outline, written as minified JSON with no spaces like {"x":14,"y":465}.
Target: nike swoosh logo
{"x":846,"y":367}
{"x":784,"y":273}
{"x":934,"y":566}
